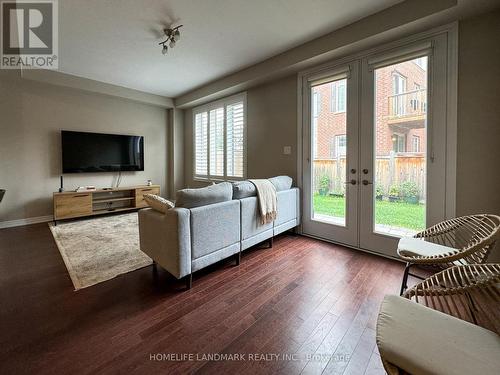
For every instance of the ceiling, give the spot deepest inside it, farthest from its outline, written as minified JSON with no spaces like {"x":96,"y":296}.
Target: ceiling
{"x":116,"y":41}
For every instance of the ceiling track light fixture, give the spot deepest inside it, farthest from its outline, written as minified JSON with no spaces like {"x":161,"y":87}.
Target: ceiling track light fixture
{"x":173,"y":35}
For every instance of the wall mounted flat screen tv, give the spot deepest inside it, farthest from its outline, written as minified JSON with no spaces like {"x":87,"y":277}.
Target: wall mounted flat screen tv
{"x":95,"y":152}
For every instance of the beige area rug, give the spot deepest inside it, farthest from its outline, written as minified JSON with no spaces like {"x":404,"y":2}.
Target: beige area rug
{"x":98,"y":249}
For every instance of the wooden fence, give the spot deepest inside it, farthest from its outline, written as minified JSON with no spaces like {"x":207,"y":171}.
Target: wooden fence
{"x":393,"y":169}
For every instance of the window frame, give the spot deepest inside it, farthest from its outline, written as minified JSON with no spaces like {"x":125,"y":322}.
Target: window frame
{"x":415,"y":140}
{"x":316,"y":108}
{"x":399,"y":136}
{"x":334,"y":95}
{"x":403,"y":78}
{"x":336,"y":146}
{"x":224,"y":103}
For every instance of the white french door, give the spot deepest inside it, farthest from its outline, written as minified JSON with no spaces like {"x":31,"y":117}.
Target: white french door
{"x":331,"y":154}
{"x":375,"y":146}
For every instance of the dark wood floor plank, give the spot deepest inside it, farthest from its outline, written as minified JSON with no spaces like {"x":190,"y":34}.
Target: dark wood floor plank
{"x":300,"y":298}
{"x":361,"y":356}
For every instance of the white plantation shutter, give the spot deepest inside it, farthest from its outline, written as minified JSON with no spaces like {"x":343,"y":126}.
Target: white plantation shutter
{"x":201,"y":144}
{"x":235,"y":131}
{"x":217,"y":142}
{"x":219,"y":137}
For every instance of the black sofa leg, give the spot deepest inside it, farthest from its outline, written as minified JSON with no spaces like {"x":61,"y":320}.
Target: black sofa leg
{"x":237,"y":257}
{"x":404,"y":283}
{"x":271,"y":243}
{"x":189,"y":281}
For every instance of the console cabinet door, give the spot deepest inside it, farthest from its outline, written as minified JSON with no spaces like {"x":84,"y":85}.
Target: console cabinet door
{"x":72,"y":205}
{"x":139,"y":195}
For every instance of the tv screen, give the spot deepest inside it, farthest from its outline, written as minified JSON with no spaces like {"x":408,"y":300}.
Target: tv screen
{"x":95,"y":152}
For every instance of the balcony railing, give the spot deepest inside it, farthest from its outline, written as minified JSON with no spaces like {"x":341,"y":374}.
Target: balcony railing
{"x":411,"y":104}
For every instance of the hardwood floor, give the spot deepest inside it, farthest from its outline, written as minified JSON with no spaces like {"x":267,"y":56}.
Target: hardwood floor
{"x":304,"y":306}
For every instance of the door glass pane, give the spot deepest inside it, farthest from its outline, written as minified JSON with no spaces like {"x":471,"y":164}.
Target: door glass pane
{"x":400,"y":147}
{"x":329,"y":151}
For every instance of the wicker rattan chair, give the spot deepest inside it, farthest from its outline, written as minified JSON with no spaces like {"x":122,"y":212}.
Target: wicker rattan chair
{"x":460,"y":241}
{"x":468,"y":292}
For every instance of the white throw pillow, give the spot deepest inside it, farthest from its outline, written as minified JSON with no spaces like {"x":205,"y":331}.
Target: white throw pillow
{"x":158,"y":203}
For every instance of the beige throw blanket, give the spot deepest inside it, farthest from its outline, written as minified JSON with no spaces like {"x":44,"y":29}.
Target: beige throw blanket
{"x":266,"y":193}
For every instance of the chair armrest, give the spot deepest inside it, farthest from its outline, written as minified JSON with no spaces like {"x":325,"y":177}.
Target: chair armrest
{"x":166,"y":238}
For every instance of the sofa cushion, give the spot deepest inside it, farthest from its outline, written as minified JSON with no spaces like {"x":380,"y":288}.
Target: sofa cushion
{"x":214,"y":228}
{"x":243,"y":189}
{"x":420,"y":340}
{"x":250,"y":218}
{"x":190,"y":198}
{"x":281,"y":182}
{"x":158,"y":203}
{"x":287,"y":202}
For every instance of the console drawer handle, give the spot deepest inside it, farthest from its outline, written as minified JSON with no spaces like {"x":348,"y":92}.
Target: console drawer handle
{"x":147,"y":189}
{"x":82,"y":195}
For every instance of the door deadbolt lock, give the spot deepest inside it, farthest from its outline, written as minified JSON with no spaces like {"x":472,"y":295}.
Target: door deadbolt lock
{"x":365,"y":171}
{"x":353,"y":171}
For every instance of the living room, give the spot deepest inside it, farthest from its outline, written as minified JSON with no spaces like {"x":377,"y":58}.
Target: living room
{"x":266,"y":187}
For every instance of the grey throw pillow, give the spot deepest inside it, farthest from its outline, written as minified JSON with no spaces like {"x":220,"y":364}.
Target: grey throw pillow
{"x":281,"y":182}
{"x":243,"y":189}
{"x":190,"y":198}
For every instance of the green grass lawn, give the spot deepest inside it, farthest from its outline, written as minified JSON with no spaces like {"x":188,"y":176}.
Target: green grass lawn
{"x":397,"y":214}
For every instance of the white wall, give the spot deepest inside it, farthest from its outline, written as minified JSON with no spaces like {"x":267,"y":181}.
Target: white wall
{"x":31,"y":117}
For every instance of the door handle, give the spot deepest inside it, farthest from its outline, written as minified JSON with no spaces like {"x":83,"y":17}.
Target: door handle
{"x":366,"y":182}
{"x":352,"y":182}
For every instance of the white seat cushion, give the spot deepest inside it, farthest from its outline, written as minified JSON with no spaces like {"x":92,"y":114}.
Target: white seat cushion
{"x":409,"y":247}
{"x":420,"y":340}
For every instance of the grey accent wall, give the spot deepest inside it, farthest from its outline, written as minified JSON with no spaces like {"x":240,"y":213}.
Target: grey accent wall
{"x":478,"y":148}
{"x":478,"y":163}
{"x":31,"y":117}
{"x":176,"y":151}
{"x":271,"y":125}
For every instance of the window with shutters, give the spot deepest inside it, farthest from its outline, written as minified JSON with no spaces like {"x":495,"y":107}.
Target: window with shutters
{"x":219,"y":139}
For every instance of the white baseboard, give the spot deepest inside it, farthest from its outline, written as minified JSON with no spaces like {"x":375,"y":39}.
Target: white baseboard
{"x":27,"y":221}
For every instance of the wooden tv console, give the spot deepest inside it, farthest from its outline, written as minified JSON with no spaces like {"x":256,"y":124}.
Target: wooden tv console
{"x":71,"y":204}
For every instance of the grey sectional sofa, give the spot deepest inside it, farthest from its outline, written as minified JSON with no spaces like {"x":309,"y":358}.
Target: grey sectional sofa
{"x":185,"y":240}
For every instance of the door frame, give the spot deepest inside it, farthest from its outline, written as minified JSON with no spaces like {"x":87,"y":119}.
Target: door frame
{"x":451,"y":33}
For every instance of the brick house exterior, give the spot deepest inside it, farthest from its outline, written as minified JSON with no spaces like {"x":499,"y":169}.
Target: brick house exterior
{"x":400,"y":119}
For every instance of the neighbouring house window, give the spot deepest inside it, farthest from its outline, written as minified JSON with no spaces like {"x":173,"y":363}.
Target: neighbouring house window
{"x":316,"y":104}
{"x":399,"y":142}
{"x":415,"y":143}
{"x":398,"y":84}
{"x":421,"y":62}
{"x":398,"y":91}
{"x":338,"y":96}
{"x":339,"y":146}
{"x":219,"y":139}
{"x":315,"y":137}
